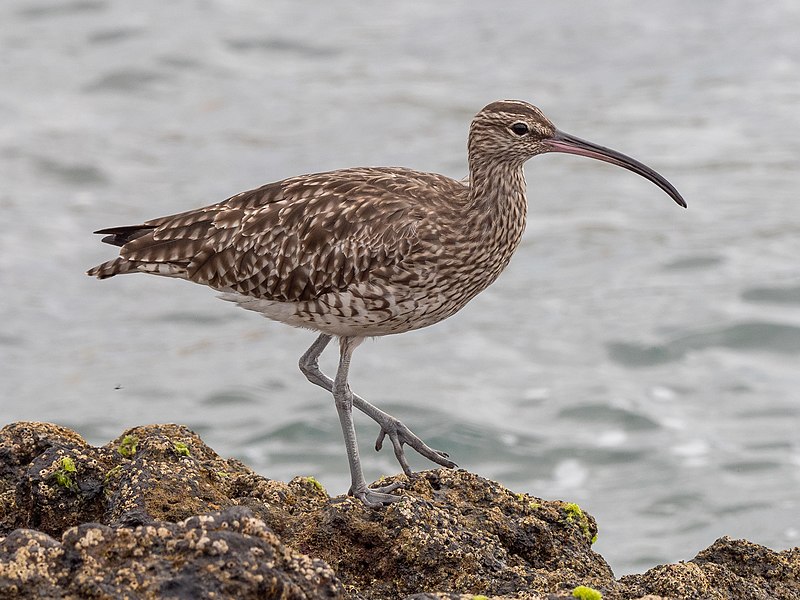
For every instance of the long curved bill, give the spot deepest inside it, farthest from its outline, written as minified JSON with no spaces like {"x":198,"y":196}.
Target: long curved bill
{"x":563,"y":142}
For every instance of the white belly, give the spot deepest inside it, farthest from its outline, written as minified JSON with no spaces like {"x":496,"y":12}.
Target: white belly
{"x":345,"y":314}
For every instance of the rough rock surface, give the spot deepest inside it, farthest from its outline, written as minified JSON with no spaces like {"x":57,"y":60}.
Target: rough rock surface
{"x":157,"y":514}
{"x":228,"y":554}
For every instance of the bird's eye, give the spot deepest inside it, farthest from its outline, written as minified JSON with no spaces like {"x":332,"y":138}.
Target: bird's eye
{"x":520,"y":128}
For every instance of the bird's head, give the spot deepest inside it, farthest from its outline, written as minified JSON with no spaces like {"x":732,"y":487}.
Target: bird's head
{"x":513,"y":131}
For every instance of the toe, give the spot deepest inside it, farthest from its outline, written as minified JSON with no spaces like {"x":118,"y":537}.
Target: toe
{"x":375,"y":498}
{"x":385,"y":489}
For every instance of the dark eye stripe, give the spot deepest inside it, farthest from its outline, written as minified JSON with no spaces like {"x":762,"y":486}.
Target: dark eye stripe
{"x":520,"y":128}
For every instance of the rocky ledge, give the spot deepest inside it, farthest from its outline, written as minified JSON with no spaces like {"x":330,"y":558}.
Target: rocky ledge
{"x":157,"y":514}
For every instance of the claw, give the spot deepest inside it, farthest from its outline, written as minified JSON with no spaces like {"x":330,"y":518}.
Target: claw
{"x":379,"y":441}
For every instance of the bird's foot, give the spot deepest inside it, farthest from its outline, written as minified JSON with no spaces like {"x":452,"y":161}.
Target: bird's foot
{"x":377,"y":496}
{"x":399,"y":435}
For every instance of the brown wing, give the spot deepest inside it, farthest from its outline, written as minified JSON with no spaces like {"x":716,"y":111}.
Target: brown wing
{"x":295,"y":239}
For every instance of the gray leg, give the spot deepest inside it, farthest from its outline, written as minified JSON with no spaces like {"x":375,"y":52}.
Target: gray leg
{"x":309,"y":363}
{"x":343,"y":398}
{"x":398,"y":433}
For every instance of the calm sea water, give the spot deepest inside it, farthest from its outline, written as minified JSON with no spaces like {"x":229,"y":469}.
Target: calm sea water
{"x":637,"y":358}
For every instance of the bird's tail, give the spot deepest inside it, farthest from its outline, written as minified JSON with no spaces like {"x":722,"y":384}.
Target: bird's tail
{"x":119,"y":236}
{"x":165,"y":246}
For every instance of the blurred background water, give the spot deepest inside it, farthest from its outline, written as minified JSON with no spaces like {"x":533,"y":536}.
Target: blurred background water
{"x":636,"y":358}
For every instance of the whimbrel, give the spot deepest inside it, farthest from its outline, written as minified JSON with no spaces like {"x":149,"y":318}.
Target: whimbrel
{"x":364,"y":252}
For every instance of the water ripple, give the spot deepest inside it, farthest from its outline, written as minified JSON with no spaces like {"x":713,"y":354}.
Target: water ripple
{"x":780,"y":338}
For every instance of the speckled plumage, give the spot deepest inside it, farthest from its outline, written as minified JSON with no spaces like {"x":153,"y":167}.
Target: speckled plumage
{"x":354,"y":252}
{"x":364,"y":251}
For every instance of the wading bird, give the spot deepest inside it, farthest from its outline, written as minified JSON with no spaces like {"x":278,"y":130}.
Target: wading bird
{"x":364,"y":252}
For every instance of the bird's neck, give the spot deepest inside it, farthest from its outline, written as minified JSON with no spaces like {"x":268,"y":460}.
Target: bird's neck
{"x":497,"y":204}
{"x":494,"y":217}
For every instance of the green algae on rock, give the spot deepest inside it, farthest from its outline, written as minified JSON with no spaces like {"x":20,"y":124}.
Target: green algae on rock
{"x":583,"y":592}
{"x":181,"y":449}
{"x":63,"y":476}
{"x":127,"y":446}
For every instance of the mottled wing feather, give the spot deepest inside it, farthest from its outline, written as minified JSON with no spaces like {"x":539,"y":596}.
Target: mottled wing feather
{"x":299,"y":238}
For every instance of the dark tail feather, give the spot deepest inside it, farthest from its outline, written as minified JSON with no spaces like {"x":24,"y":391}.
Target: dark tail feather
{"x":119,"y":236}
